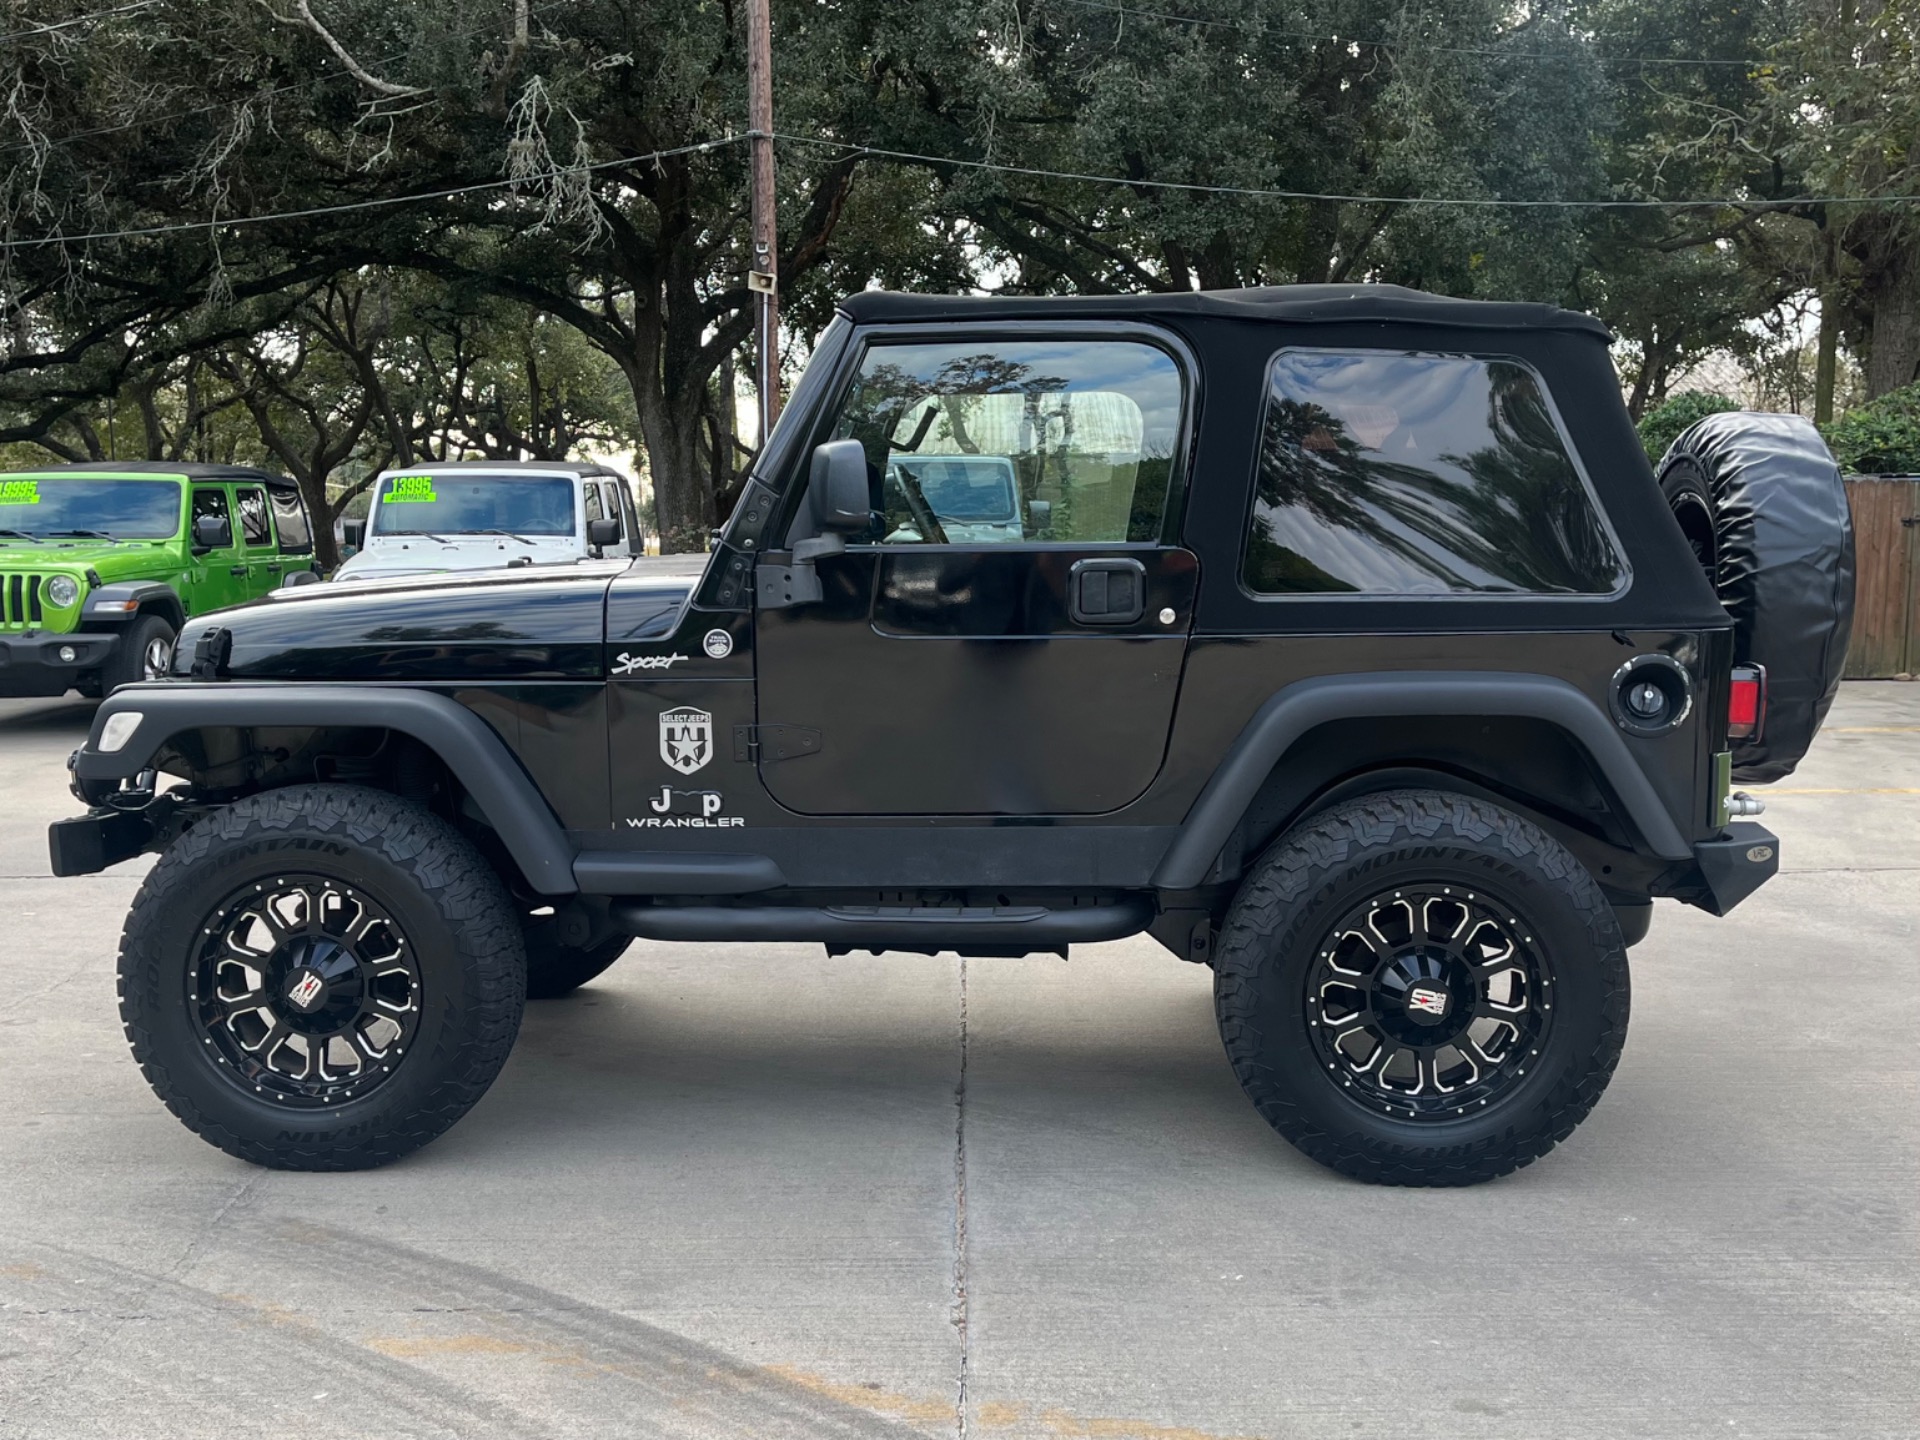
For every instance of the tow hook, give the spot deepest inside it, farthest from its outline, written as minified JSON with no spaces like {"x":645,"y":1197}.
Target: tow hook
{"x":1741,"y":805}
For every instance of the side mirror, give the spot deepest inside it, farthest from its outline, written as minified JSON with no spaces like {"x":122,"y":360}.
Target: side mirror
{"x":601,"y":533}
{"x":297,"y":578}
{"x":212,"y":532}
{"x":1039,"y":516}
{"x":837,"y":485}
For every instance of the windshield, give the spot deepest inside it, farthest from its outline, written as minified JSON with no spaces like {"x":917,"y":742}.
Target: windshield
{"x":39,"y":505}
{"x":964,"y":487}
{"x":474,"y":505}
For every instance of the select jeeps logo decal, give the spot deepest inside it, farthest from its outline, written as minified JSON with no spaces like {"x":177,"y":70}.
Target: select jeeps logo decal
{"x":686,"y":739}
{"x":686,"y":810}
{"x":625,"y":664}
{"x":1430,"y":1002}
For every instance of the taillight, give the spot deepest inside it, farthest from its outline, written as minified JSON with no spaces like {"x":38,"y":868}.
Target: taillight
{"x":1747,"y":705}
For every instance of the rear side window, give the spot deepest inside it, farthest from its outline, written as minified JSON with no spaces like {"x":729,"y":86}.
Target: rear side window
{"x":1418,"y":474}
{"x":290,"y":519}
{"x":253,"y":517}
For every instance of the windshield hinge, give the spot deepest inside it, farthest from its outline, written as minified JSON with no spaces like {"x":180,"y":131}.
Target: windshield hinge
{"x":766,"y":744}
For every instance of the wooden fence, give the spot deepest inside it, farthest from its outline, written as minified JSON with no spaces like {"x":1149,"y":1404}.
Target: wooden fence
{"x":1886,"y":607}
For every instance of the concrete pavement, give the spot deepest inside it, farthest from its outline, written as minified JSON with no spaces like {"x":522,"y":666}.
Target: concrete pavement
{"x":755,"y":1192}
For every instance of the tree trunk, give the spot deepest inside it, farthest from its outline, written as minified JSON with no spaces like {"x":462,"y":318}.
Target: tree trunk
{"x":1893,"y":344}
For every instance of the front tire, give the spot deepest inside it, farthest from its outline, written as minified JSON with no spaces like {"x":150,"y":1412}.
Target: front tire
{"x":145,"y":652}
{"x":1417,"y":988}
{"x":321,"y":978}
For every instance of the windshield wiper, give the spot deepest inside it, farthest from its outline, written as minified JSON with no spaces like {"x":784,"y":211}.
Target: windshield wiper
{"x":19,"y":534}
{"x":428,"y":533}
{"x":82,"y":534}
{"x":508,"y":533}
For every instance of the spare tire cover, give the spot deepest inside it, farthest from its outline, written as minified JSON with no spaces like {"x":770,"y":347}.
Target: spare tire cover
{"x":1785,"y":568}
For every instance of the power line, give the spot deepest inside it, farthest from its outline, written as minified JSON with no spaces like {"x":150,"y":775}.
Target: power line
{"x":1240,"y":23}
{"x":880,"y":153}
{"x":314,"y":212}
{"x":54,"y":25}
{"x":1258,"y":193}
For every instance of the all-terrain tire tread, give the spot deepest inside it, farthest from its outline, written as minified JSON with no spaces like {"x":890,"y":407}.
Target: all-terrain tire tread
{"x":1303,"y":860}
{"x":448,"y":870}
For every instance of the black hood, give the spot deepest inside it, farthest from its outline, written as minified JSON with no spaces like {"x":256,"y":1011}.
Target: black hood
{"x":532,"y":623}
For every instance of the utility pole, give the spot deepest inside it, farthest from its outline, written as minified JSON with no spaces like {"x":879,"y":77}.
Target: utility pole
{"x":762,"y":278}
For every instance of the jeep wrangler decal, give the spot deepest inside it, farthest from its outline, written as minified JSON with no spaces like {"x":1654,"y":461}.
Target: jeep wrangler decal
{"x":686,"y":739}
{"x":686,"y":809}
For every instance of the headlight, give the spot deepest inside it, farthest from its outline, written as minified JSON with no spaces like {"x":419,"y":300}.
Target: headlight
{"x":62,"y":591}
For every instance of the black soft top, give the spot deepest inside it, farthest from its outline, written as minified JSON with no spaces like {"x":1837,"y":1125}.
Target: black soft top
{"x":1327,"y":304}
{"x":576,"y":468}
{"x":185,"y":469}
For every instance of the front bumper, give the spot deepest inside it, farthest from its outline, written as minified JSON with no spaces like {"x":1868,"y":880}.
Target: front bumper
{"x":1735,"y":865}
{"x":33,"y":663}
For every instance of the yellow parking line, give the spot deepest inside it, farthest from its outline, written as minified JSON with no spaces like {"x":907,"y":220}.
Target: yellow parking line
{"x":1888,"y":790}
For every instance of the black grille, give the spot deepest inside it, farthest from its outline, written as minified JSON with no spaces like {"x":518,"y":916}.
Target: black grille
{"x":20,"y":601}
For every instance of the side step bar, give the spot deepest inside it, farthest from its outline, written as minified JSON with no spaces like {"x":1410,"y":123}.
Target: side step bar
{"x":1012,"y":930}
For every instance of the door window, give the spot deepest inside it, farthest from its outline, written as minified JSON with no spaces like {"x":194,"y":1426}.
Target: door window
{"x":255,"y":528}
{"x":592,"y":497}
{"x":212,"y":505}
{"x":1009,"y":442}
{"x":1416,"y":474}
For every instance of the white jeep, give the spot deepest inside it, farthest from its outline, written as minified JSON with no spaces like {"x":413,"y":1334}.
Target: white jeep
{"x":478,"y":515}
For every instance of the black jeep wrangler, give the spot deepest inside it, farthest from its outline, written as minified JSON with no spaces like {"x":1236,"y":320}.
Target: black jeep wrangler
{"x":1339,"y":638}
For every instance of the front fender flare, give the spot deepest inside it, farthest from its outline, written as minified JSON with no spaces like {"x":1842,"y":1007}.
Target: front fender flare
{"x":467,"y":745}
{"x":1302,"y":706}
{"x":109,"y":603}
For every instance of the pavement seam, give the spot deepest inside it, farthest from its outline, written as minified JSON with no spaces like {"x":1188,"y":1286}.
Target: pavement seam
{"x":959,"y":1311}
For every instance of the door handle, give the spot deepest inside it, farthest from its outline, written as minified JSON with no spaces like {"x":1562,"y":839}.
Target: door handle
{"x":273,"y":569}
{"x":1107,"y":591}
{"x":238,"y":570}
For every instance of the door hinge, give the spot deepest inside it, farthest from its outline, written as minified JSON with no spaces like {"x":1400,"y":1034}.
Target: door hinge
{"x":764,"y":744}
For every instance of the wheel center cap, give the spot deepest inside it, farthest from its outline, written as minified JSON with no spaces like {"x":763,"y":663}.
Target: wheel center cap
{"x":306,"y":990}
{"x":1428,"y":1004}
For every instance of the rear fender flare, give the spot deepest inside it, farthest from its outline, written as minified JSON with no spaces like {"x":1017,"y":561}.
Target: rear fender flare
{"x":464,"y":742}
{"x":1303,"y":706}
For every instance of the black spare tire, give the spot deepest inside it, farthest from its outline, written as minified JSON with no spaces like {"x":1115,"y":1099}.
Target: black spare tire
{"x":1780,"y":557}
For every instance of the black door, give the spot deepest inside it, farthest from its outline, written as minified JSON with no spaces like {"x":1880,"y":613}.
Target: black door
{"x":1008,"y":637}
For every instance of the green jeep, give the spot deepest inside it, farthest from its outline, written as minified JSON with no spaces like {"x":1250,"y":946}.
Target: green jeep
{"x":100,"y":565}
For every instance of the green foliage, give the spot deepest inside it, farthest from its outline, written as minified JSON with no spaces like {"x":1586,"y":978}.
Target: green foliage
{"x":1882,"y":437}
{"x":1663,"y":424}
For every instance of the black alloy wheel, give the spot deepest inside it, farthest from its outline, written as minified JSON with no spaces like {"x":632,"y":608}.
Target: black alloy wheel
{"x":324,"y":977}
{"x":307,"y":990}
{"x":1428,"y":1001}
{"x":1421,"y":988}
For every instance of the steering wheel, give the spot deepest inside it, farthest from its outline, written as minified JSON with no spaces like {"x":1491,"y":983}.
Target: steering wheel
{"x":924,"y":520}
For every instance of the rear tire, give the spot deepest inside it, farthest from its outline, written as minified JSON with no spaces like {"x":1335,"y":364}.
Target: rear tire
{"x":1506,"y":1055}
{"x":321,"y":978}
{"x":1692,"y":503}
{"x":555,"y":969}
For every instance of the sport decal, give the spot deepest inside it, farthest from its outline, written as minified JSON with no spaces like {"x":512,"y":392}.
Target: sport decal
{"x":625,"y":664}
{"x":686,"y":739}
